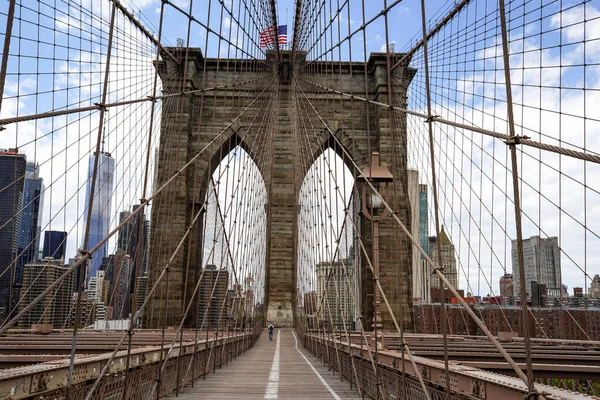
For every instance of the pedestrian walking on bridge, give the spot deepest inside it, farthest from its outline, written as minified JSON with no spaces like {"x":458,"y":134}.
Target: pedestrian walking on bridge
{"x":271,"y":328}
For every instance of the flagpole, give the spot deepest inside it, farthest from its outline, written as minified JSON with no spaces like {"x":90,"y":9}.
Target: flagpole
{"x":287,"y":46}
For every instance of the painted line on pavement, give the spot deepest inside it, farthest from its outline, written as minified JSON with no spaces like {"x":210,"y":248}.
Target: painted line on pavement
{"x":273,"y":385}
{"x":335,"y":396}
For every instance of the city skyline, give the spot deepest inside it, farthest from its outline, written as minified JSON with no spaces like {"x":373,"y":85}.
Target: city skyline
{"x":454,"y":231}
{"x":33,"y":171}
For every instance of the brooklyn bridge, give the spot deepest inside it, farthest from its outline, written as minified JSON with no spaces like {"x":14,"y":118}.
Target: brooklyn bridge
{"x":402,"y":193}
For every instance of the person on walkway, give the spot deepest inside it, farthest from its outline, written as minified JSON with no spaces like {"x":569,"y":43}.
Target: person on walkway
{"x":271,"y":328}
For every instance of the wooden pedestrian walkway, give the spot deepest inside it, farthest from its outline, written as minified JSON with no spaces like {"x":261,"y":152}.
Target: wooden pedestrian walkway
{"x":278,"y":369}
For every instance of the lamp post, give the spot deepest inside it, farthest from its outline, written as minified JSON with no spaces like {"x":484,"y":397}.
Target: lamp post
{"x":373,"y":209}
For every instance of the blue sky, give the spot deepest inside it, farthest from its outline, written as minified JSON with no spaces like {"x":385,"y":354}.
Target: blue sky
{"x":404,"y":19}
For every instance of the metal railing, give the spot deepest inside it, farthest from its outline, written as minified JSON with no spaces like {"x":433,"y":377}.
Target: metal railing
{"x":398,"y":380}
{"x":185,"y":364}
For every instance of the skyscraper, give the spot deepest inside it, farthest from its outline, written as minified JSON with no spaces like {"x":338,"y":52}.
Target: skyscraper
{"x":12,"y":172}
{"x":249,"y":304}
{"x":101,"y":207}
{"x":542,"y":264}
{"x":108,"y":266}
{"x":140,"y":294}
{"x":123,"y":284}
{"x":595,"y":287}
{"x":55,"y":244}
{"x":96,"y":285}
{"x":125,"y":231}
{"x":137,"y":246}
{"x":423,"y":219}
{"x":133,"y":240}
{"x":31,"y":220}
{"x":334,"y":297}
{"x":54,"y":308}
{"x":211,"y":298}
{"x":448,"y":259}
{"x":413,"y":198}
{"x":420,"y":276}
{"x":424,"y":282}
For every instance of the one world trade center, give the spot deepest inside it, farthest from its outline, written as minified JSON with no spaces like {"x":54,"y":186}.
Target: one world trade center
{"x":101,"y":213}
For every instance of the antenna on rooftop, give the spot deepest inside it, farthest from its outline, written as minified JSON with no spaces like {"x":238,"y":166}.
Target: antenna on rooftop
{"x":103,"y":137}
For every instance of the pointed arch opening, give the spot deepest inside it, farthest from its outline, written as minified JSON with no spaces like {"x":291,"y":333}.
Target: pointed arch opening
{"x":232,"y":274}
{"x":327,"y":263}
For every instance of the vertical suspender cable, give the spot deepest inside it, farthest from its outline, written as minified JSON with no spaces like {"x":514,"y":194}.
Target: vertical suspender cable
{"x":84,"y":249}
{"x":436,"y":209}
{"x":512,"y":143}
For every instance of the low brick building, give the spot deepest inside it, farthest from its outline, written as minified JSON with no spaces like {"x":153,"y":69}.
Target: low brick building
{"x":551,"y":322}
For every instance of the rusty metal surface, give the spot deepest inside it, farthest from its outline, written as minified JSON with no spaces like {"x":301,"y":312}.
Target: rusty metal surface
{"x":48,"y":380}
{"x":88,"y":342}
{"x":568,"y":359}
{"x":465,"y":381}
{"x":566,"y":371}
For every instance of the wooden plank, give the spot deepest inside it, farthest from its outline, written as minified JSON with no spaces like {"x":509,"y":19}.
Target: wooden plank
{"x":248,"y":376}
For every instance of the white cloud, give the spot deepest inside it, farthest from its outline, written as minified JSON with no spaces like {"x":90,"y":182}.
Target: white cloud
{"x":143,"y":4}
{"x":554,"y":204}
{"x":382,"y":48}
{"x":62,"y":145}
{"x":578,"y":23}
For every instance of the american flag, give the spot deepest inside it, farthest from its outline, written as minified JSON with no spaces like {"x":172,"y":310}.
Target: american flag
{"x":267,"y":37}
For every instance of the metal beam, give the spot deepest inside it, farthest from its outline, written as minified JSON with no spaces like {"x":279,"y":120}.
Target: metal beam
{"x":25,"y":382}
{"x":466,"y":381}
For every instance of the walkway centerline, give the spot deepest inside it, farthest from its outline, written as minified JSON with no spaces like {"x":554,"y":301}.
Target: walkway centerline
{"x":273,"y":385}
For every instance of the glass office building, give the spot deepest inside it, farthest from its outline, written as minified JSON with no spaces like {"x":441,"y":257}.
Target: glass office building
{"x":12,"y":172}
{"x":101,"y":207}
{"x":31,"y":220}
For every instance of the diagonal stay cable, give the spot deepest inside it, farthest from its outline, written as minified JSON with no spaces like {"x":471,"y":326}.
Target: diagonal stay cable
{"x":520,"y":140}
{"x":100,"y":106}
{"x":430,"y":263}
{"x":149,"y":295}
{"x":397,"y":326}
{"x":84,"y":257}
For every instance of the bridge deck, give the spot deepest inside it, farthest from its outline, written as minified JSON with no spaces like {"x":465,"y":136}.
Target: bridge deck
{"x":281,"y":369}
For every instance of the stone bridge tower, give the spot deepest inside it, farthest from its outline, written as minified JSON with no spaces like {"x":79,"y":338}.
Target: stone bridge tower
{"x":191,"y":124}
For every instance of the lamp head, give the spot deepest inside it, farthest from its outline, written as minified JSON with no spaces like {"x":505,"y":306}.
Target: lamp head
{"x":376,"y":173}
{"x":375,"y":201}
{"x":377,"y":176}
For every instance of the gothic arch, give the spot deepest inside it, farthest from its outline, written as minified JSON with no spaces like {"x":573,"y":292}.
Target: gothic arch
{"x":239,"y":136}
{"x":348,"y":146}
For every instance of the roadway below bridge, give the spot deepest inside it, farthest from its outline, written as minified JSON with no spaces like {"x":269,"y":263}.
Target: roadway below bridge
{"x":278,"y":369}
